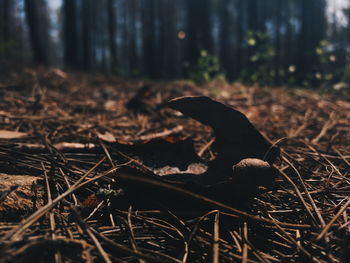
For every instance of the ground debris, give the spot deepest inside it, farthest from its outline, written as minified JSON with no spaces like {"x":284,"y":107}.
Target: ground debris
{"x":23,"y":194}
{"x":80,"y":173}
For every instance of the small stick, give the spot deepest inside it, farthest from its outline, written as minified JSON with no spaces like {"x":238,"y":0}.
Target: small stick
{"x":17,"y":231}
{"x":329,"y":225}
{"x":57,"y":256}
{"x":326,"y":127}
{"x":313,"y":204}
{"x":132,"y":235}
{"x":341,"y":156}
{"x":205,"y":147}
{"x":216,"y":238}
{"x":88,"y":231}
{"x":164,"y":133}
{"x":297,"y":191}
{"x":125,"y":249}
{"x":245,"y":246}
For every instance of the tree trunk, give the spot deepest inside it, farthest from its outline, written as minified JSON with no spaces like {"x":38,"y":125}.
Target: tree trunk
{"x":71,"y":53}
{"x":148,"y":38}
{"x":112,"y":30}
{"x":313,"y":23}
{"x":38,"y":22}
{"x":132,"y":35}
{"x":277,"y":65}
{"x":87,"y":38}
{"x":6,"y":27}
{"x":199,"y":29}
{"x":226,"y":45}
{"x":240,"y":54}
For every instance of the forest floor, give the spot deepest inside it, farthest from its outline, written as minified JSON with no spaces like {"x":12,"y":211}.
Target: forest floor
{"x":65,"y":138}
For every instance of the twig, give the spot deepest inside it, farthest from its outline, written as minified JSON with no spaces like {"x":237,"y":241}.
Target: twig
{"x":17,"y":231}
{"x":216,"y":238}
{"x":88,"y":231}
{"x":132,"y":235}
{"x":320,"y":218}
{"x":329,"y":225}
{"x":164,"y":133}
{"x":57,"y":256}
{"x":297,"y":191}
{"x":205,"y":147}
{"x":326,"y":127}
{"x":245,"y":246}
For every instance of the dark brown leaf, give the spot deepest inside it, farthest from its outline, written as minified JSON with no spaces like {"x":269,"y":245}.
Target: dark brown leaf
{"x":236,"y":136}
{"x":161,"y":152}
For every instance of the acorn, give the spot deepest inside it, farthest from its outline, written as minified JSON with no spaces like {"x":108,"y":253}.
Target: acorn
{"x":248,"y":175}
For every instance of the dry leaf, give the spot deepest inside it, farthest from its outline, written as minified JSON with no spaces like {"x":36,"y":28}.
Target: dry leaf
{"x":162,"y":151}
{"x":59,"y":73}
{"x":107,"y":137}
{"x":236,"y":136}
{"x":4,"y":134}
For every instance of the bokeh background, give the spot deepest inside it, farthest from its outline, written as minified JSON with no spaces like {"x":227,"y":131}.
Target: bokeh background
{"x":270,"y":42}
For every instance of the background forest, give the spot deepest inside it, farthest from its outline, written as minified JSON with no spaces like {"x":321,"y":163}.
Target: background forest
{"x":272,"y":42}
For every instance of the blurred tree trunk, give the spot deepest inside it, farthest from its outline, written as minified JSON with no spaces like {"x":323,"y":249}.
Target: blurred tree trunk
{"x":255,"y":27}
{"x":278,"y":19}
{"x":313,"y":28}
{"x":226,"y":45}
{"x":38,"y":22}
{"x":240,"y":56}
{"x":303,"y":45}
{"x":6,"y":11}
{"x":165,"y":47}
{"x":288,"y":39}
{"x":6,"y":24}
{"x":170,"y":38}
{"x":112,"y":30}
{"x":159,"y":38}
{"x":148,"y":38}
{"x":87,"y":35}
{"x":71,"y":52}
{"x":164,"y":32}
{"x":199,"y":29}
{"x":253,"y":21}
{"x":132,"y":34}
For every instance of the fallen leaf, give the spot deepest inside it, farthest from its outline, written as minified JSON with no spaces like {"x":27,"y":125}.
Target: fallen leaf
{"x":161,"y":152}
{"x":193,"y":169}
{"x":4,"y":134}
{"x":231,"y":127}
{"x":236,"y":138}
{"x":59,"y":73}
{"x":158,"y":192}
{"x":107,"y":137}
